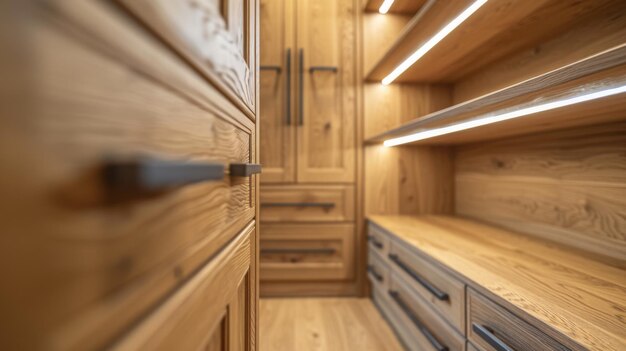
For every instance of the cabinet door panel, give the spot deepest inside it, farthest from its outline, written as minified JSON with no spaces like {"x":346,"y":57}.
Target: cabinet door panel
{"x":277,"y":83}
{"x":326,"y":115}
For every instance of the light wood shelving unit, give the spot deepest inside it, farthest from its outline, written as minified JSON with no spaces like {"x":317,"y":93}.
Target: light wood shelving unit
{"x":405,"y":7}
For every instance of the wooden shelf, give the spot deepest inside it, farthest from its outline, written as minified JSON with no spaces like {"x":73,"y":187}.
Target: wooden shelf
{"x":497,"y":29}
{"x":404,"y":7}
{"x":568,"y":292}
{"x":606,"y":69}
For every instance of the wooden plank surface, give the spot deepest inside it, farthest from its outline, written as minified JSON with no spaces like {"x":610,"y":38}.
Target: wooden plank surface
{"x":316,"y":324}
{"x":398,"y":6}
{"x":575,"y":299}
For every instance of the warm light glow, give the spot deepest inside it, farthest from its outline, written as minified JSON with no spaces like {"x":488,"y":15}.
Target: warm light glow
{"x":422,"y":50}
{"x":500,"y":116}
{"x":384,"y":8}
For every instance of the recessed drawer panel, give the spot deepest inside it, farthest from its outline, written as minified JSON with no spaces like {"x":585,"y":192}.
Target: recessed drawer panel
{"x":378,"y":240}
{"x":377,"y":270}
{"x":307,"y":203}
{"x":307,"y":252}
{"x":494,"y":328}
{"x":428,"y":331}
{"x":443,"y":292}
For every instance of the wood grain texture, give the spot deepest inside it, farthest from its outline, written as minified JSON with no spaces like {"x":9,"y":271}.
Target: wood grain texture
{"x":572,"y":298}
{"x":324,"y":324}
{"x":333,"y":203}
{"x":408,"y":7}
{"x":567,"y":186}
{"x":380,"y":32}
{"x":217,"y":37}
{"x":307,"y":266}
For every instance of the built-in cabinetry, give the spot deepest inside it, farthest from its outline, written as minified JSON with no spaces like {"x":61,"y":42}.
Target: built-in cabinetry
{"x":308,"y":143}
{"x":129,"y":182}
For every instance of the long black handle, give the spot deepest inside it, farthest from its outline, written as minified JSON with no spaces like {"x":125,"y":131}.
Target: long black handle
{"x":318,"y":250}
{"x":440,"y":295}
{"x":244,"y":169}
{"x":486,"y":334}
{"x":376,"y":275}
{"x":298,"y":204}
{"x":375,"y":242}
{"x":147,"y":174}
{"x":288,"y":88}
{"x":271,"y":68}
{"x":333,"y":69}
{"x":301,"y":87}
{"x":422,"y":328}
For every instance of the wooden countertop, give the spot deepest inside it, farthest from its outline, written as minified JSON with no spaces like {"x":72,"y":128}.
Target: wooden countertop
{"x":545,"y":283}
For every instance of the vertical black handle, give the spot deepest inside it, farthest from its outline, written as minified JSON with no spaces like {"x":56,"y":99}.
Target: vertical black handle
{"x":422,"y":328}
{"x":301,"y":87}
{"x":288,"y":88}
{"x":490,"y":337}
{"x":440,"y":295}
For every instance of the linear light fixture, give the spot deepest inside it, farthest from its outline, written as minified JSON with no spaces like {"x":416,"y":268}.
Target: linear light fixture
{"x":500,"y":116}
{"x":386,"y":5}
{"x":422,"y":50}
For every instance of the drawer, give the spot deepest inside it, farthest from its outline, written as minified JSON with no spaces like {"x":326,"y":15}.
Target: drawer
{"x":105,"y":260}
{"x":426,"y":329}
{"x":216,"y":36}
{"x":444,"y":293}
{"x":212,"y":311}
{"x":297,"y":252}
{"x":494,"y":328}
{"x":471,"y":347}
{"x":377,"y":270}
{"x":378,"y":240}
{"x":307,"y":203}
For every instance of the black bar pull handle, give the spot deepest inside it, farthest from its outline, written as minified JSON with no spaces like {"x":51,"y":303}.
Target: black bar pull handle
{"x":298,"y":204}
{"x":244,"y":169}
{"x":312,"y":250}
{"x":277,"y":69}
{"x":376,"y":275}
{"x":288,"y":88}
{"x":149,"y":175}
{"x":422,"y":328}
{"x":333,"y":69}
{"x":375,"y":242}
{"x":301,"y":87}
{"x":440,"y":295}
{"x":488,"y":335}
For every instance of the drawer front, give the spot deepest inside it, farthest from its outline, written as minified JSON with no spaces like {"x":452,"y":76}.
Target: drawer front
{"x":428,"y":330}
{"x":471,"y":347}
{"x":210,"y":312}
{"x":94,"y":252}
{"x":297,"y":252}
{"x":300,"y":203}
{"x":443,"y":292}
{"x":378,"y":240}
{"x":377,"y":270}
{"x":216,"y":36}
{"x":494,"y":328}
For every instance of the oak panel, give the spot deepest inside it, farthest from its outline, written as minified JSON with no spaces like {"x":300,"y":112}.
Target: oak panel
{"x":307,"y":203}
{"x":398,"y":6}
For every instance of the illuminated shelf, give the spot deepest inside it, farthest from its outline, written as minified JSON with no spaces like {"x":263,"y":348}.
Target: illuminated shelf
{"x":594,"y":74}
{"x":496,"y":29}
{"x":404,"y":7}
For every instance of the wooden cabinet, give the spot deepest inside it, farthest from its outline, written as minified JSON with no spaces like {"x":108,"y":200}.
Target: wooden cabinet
{"x":308,"y":85}
{"x":118,"y":189}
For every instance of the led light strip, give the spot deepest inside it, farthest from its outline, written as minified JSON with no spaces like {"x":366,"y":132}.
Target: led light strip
{"x":409,"y":61}
{"x":499,"y":117}
{"x":386,"y":5}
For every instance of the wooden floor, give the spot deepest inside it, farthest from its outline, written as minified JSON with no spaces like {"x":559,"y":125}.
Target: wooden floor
{"x":329,"y":324}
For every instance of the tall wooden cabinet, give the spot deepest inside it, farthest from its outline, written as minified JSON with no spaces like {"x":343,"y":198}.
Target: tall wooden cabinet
{"x":308,"y":142}
{"x":128,"y":142}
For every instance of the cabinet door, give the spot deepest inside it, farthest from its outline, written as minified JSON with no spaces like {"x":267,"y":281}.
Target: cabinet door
{"x":277,"y":87}
{"x":326,"y":132}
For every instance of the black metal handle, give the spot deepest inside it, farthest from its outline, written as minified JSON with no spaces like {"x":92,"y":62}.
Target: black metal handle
{"x":301,"y":87}
{"x":299,"y":204}
{"x":288,"y":88}
{"x":488,"y":335}
{"x":271,"y":68}
{"x":244,"y":169}
{"x":376,"y":275}
{"x":440,"y":295}
{"x":375,"y":242}
{"x":146,"y":174}
{"x":422,"y":328}
{"x":333,"y":69}
{"x":318,"y":250}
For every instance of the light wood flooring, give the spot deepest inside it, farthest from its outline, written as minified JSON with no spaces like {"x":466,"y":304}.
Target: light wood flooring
{"x":323,"y":324}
